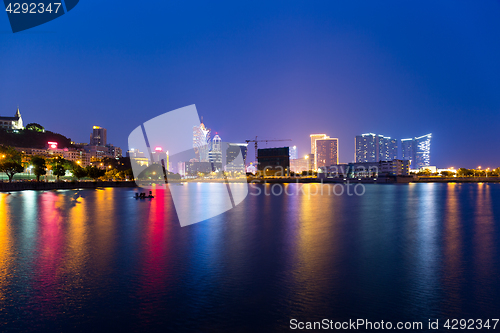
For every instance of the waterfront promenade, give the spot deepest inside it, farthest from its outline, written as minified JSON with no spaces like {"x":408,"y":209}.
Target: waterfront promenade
{"x":22,"y":186}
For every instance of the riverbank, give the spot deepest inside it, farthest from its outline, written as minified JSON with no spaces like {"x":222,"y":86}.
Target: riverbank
{"x":23,"y":186}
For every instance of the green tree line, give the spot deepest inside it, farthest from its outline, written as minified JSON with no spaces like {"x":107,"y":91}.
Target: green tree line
{"x":13,"y":162}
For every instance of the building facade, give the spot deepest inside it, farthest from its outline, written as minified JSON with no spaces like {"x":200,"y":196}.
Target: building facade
{"x":293,"y":153}
{"x":12,"y":123}
{"x":274,"y":160}
{"x":301,"y":164}
{"x":327,"y":152}
{"x":315,"y":137}
{"x":368,"y":169}
{"x":417,"y":151}
{"x":98,"y":137}
{"x":201,"y":141}
{"x":371,"y":147}
{"x":233,"y":162}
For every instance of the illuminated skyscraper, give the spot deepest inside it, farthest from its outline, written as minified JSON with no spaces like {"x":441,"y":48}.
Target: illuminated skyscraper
{"x":422,"y":148}
{"x":215,"y":154}
{"x":293,"y":153}
{"x":327,"y":152}
{"x":315,"y":137}
{"x":417,"y":150}
{"x":407,"y":149}
{"x":374,"y":148}
{"x":201,"y":141}
{"x":216,"y":143}
{"x":387,"y":148}
{"x":366,"y":148}
{"x":98,"y":136}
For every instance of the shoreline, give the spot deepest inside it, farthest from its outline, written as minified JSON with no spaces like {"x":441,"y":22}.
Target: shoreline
{"x":42,"y":186}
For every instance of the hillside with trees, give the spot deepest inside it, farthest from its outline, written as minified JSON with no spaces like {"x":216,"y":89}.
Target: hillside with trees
{"x":33,"y":138}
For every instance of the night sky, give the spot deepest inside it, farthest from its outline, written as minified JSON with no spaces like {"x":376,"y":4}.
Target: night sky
{"x":268,"y":69}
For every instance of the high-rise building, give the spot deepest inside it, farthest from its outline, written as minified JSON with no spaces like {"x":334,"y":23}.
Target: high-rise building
{"x":422,"y":148}
{"x":293,"y":153}
{"x":388,"y":148}
{"x":407,"y":149}
{"x":315,"y":137}
{"x":215,"y":154}
{"x":327,"y":152}
{"x":236,"y":154}
{"x":201,"y":141}
{"x":274,"y":160}
{"x":374,"y":148}
{"x":417,"y":150}
{"x":98,"y":136}
{"x":367,"y":148}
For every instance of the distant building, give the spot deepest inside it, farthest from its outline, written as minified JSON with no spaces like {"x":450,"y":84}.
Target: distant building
{"x":301,"y":164}
{"x":293,"y":153}
{"x":327,"y":152}
{"x":12,"y":123}
{"x":371,"y":147}
{"x":97,"y":153}
{"x":233,"y":163}
{"x":417,"y":150}
{"x":98,"y":137}
{"x":201,"y":141}
{"x":194,"y":168}
{"x":115,"y":151}
{"x":368,"y":169}
{"x":215,"y":154}
{"x":77,"y":155}
{"x":315,"y":137}
{"x":274,"y":160}
{"x":366,"y":148}
{"x":388,"y":148}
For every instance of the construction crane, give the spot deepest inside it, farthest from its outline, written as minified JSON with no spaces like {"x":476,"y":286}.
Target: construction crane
{"x":257,"y":141}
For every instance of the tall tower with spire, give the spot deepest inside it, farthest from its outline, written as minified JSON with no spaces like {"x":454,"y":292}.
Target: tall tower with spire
{"x":201,"y":141}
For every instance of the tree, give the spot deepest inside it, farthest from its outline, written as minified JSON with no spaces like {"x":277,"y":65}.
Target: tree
{"x":94,"y":172}
{"x":463,"y":172}
{"x":447,"y":173}
{"x":10,"y":161}
{"x":39,"y":166}
{"x":79,"y":172}
{"x":129,"y":174}
{"x":35,"y":127}
{"x":59,"y":166}
{"x":111,"y":174}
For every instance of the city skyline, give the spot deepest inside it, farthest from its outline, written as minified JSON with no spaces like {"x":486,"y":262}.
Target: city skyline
{"x":306,"y":69}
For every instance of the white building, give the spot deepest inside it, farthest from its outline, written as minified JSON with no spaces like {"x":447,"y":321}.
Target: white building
{"x":12,"y":123}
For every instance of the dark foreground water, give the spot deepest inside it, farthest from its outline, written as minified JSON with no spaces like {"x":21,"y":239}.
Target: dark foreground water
{"x":98,"y":260}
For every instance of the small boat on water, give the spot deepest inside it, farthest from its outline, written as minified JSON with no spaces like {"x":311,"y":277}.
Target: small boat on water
{"x":144,"y":196}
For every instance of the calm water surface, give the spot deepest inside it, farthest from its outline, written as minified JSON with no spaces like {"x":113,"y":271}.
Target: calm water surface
{"x":81,"y":260}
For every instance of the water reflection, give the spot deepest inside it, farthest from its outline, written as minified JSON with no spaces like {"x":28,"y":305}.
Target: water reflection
{"x":484,"y":247}
{"x":453,"y":248}
{"x":77,"y":257}
{"x":5,"y":247}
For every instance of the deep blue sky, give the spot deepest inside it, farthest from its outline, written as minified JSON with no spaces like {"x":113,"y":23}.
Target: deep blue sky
{"x":272,"y":69}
